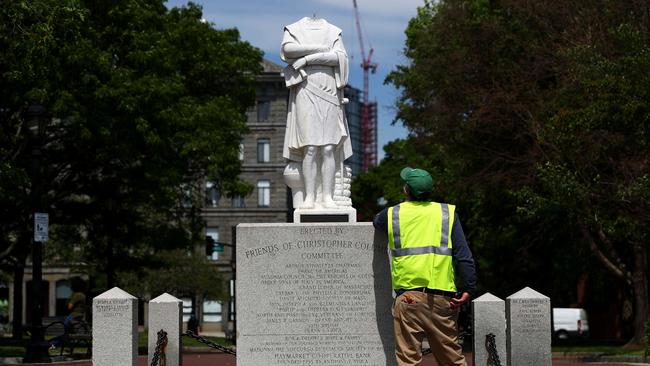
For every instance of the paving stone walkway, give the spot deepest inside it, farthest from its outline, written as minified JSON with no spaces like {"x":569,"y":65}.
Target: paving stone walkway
{"x":221,"y":359}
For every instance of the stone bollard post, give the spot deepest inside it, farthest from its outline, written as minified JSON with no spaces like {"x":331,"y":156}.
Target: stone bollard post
{"x":166,"y":313}
{"x":529,"y":328}
{"x":115,"y":329}
{"x":489,"y":317}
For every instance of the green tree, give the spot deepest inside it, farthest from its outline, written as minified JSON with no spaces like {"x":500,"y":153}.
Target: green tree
{"x":33,"y":35}
{"x":538,"y":114}
{"x":381,"y":186}
{"x":144,"y":104}
{"x":598,"y":169}
{"x":168,"y":106}
{"x":170,"y":272}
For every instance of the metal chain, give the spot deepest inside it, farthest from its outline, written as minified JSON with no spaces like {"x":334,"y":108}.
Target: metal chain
{"x":159,"y":354}
{"x":490,"y":344}
{"x":209,"y":343}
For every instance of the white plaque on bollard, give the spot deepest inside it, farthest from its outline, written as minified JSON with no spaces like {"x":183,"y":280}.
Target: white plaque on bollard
{"x":529,"y":328}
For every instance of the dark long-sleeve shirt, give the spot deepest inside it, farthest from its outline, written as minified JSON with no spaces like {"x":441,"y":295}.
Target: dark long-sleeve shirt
{"x":464,"y":262}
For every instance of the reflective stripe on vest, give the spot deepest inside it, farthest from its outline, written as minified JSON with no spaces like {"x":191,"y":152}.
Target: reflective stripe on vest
{"x":395,"y":221}
{"x":421,"y":250}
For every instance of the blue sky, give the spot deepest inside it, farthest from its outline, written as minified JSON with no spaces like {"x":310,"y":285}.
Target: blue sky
{"x":260,"y":22}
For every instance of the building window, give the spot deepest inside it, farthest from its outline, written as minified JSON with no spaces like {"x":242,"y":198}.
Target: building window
{"x":211,"y":311}
{"x":263,"y":150}
{"x":238,"y":201}
{"x":263,"y":193}
{"x":187,"y":309}
{"x":263,"y":110}
{"x":241,"y":151}
{"x":186,"y":197}
{"x":212,"y":195}
{"x":213,"y":232}
{"x":63,"y":293}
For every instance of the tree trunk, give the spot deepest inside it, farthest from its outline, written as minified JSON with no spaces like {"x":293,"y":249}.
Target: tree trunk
{"x":110,"y":233}
{"x":110,"y":263}
{"x":640,"y":283}
{"x":17,"y":323}
{"x":24,"y":246}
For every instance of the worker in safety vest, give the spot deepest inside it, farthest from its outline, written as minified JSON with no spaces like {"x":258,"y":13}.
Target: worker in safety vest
{"x":428,"y":248}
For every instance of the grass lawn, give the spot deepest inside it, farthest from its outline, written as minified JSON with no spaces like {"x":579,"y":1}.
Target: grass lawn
{"x":18,"y":351}
{"x":12,"y":351}
{"x":591,"y":346}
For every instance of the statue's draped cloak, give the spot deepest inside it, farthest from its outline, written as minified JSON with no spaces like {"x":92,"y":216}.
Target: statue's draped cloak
{"x":315,"y":114}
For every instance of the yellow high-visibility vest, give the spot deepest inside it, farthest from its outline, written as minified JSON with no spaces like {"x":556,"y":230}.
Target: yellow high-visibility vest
{"x":419,"y":236}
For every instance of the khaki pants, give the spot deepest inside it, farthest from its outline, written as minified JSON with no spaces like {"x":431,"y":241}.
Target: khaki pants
{"x":418,"y":314}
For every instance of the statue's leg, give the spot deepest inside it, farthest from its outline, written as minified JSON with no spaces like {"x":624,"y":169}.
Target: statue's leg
{"x":328,"y":171}
{"x":309,"y":171}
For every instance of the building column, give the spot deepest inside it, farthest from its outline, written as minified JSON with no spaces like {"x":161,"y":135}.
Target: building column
{"x":25,"y":289}
{"x":52,"y":299}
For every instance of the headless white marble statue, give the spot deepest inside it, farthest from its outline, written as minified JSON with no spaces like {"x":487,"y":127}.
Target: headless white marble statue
{"x":317,"y":132}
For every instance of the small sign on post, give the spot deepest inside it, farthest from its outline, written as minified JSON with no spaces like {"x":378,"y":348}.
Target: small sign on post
{"x":41,"y":223}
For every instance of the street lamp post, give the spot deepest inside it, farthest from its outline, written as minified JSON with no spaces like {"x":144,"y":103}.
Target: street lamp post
{"x":210,"y":247}
{"x":37,"y":349}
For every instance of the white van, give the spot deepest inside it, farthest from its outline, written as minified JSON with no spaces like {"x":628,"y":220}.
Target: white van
{"x":570,"y":322}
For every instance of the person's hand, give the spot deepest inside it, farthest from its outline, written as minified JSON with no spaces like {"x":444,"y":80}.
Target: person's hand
{"x":299,"y":63}
{"x":458,"y":301}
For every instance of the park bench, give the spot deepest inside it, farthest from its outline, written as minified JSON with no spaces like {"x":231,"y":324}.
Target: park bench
{"x":78,"y":334}
{"x":52,"y":326}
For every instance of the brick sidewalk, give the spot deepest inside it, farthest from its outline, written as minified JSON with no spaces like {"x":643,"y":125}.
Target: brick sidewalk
{"x":222,"y":359}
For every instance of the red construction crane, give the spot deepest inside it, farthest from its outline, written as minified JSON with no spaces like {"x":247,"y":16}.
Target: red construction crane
{"x":369,"y":109}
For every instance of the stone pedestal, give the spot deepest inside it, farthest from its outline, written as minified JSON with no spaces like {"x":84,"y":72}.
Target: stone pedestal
{"x":115,"y":329}
{"x":166,"y":313}
{"x":313,"y":294}
{"x":489,"y":317}
{"x":529,"y":328}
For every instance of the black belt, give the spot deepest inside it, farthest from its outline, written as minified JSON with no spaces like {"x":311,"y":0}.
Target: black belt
{"x":400,"y":291}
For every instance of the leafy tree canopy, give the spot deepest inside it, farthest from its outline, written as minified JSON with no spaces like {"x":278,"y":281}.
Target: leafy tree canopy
{"x":170,"y":274}
{"x":534,"y":114}
{"x":143,"y":104}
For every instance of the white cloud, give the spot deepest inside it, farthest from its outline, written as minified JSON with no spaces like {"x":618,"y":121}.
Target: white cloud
{"x":260,"y":22}
{"x":387,"y":8}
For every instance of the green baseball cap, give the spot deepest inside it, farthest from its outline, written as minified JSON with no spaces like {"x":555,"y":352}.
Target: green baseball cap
{"x":418,"y":180}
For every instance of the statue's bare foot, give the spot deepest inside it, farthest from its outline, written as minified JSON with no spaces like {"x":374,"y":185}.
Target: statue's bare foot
{"x":329,"y":203}
{"x":308,"y":203}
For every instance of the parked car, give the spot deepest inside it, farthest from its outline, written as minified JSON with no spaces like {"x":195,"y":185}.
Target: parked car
{"x":570,"y":322}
